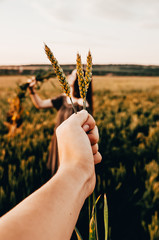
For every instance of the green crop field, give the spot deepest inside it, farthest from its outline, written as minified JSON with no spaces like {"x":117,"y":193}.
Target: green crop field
{"x":126,"y":110}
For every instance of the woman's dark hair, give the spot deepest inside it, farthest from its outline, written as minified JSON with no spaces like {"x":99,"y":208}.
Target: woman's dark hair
{"x":89,"y":97}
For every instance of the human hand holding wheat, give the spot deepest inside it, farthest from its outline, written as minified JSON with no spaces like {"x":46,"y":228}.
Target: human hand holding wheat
{"x":70,"y":153}
{"x":73,"y":150}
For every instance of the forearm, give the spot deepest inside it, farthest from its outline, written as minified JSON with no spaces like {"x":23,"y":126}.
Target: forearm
{"x":49,"y":213}
{"x":39,"y":103}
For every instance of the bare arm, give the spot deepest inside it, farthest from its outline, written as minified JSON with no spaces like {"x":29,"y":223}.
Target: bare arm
{"x":37,"y":101}
{"x":40,"y":103}
{"x":49,"y":213}
{"x":52,"y":211}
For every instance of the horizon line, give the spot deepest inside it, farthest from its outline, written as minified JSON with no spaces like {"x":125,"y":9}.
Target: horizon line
{"x":47,"y":64}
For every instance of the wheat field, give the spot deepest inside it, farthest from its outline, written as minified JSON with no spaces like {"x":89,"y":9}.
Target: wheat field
{"x":112,"y":83}
{"x":126,"y":110}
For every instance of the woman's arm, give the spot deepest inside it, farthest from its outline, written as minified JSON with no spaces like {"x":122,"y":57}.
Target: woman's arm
{"x":40,"y":103}
{"x":52,"y":211}
{"x":37,"y":101}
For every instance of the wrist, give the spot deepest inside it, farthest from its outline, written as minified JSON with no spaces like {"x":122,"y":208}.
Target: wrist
{"x":79,"y":178}
{"x":31,"y":90}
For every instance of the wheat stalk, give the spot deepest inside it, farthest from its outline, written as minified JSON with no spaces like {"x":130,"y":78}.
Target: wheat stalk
{"x":81,"y":80}
{"x":88,"y":75}
{"x":59,"y":73}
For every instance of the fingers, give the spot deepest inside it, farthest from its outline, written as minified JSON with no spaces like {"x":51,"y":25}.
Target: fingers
{"x":84,"y":119}
{"x":97,"y":158}
{"x":93,"y":135}
{"x":32,"y":84}
{"x":89,"y":122}
{"x":85,"y":127}
{"x":75,"y":121}
{"x":95,"y":148}
{"x":96,"y":155}
{"x":73,"y":125}
{"x":31,"y":81}
{"x":81,"y":117}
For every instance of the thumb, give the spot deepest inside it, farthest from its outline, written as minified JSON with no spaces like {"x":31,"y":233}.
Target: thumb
{"x":81,"y":117}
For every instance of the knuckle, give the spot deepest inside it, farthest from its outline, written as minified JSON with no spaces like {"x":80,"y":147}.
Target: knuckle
{"x":97,"y":134}
{"x":95,"y":138}
{"x":95,"y":148}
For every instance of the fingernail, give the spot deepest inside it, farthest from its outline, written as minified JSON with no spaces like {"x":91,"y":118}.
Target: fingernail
{"x":86,"y":128}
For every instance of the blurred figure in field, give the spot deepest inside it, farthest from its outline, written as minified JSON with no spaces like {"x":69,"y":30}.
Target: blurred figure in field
{"x":64,"y":107}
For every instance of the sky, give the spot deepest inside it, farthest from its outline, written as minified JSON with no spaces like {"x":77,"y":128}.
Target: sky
{"x":115,"y":31}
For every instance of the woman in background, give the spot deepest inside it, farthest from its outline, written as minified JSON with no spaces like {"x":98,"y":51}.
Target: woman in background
{"x":64,"y":107}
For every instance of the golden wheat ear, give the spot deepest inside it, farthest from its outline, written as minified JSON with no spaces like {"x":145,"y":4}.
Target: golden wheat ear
{"x":81,"y":79}
{"x":58,"y":70}
{"x":59,"y":73}
{"x":88,"y":75}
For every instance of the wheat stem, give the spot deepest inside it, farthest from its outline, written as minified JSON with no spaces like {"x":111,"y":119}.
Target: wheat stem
{"x":84,"y":104}
{"x":73,"y":106}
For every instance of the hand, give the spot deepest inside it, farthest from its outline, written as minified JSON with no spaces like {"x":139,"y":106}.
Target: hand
{"x":77,"y":139}
{"x":32,"y":83}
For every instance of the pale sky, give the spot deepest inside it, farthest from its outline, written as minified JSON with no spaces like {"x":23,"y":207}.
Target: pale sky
{"x":116,"y":31}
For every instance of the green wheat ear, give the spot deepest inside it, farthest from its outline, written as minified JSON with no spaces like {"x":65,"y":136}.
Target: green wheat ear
{"x":81,"y":79}
{"x":105,"y":217}
{"x":92,"y":223}
{"x":59,"y":73}
{"x":88,"y":75}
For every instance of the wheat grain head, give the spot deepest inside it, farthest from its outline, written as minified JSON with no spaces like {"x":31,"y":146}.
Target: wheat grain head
{"x":58,"y":70}
{"x":81,"y":79}
{"x":88,"y":75}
